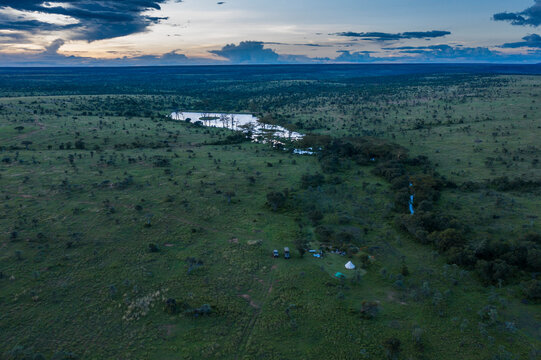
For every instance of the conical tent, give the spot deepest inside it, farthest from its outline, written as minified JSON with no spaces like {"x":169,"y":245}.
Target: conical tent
{"x":350,"y":265}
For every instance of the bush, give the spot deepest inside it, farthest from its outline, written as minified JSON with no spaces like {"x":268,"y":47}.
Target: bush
{"x":390,"y":170}
{"x":205,"y":309}
{"x":235,"y":138}
{"x":490,"y":272}
{"x":21,"y":353}
{"x":276,"y":200}
{"x":461,"y":256}
{"x":426,"y":187}
{"x":162,"y":162}
{"x":171,"y":306}
{"x":417,"y":336}
{"x":532,"y":289}
{"x":63,"y":355}
{"x":444,"y":240}
{"x":315,"y":216}
{"x":405,"y":271}
{"x":330,"y":164}
{"x":488,"y":314}
{"x":369,"y":309}
{"x":308,"y":180}
{"x":392,"y":348}
{"x":324,"y":234}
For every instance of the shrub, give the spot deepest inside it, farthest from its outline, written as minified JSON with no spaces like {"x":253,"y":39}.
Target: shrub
{"x":405,"y":271}
{"x":276,"y":200}
{"x":446,"y":239}
{"x":171,"y":306}
{"x":301,"y":244}
{"x":205,"y":309}
{"x":369,"y":309}
{"x":532,"y":289}
{"x":461,"y":256}
{"x":324,"y":234}
{"x":392,"y":348}
{"x":315,"y":216}
{"x":417,"y":335}
{"x":63,"y":355}
{"x":488,"y":314}
{"x":162,"y":162}
{"x":490,"y":272}
{"x":390,"y":170}
{"x":330,"y":164}
{"x":308,"y":180}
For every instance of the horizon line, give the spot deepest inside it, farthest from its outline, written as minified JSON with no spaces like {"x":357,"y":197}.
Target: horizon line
{"x":19,"y":66}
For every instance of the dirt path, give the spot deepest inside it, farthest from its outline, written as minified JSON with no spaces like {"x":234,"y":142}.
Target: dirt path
{"x":41,"y":128}
{"x":248,"y":329}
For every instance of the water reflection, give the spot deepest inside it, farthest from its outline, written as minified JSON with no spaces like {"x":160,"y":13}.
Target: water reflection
{"x":239,"y":122}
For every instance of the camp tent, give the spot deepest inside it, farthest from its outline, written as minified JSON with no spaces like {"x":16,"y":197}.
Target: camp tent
{"x":340,"y":275}
{"x":350,"y":265}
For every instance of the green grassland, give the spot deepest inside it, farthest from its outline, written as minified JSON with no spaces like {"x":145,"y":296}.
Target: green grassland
{"x":476,"y":130}
{"x":92,"y":180}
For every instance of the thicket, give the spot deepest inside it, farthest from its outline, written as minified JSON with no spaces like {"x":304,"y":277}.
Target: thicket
{"x":494,"y":261}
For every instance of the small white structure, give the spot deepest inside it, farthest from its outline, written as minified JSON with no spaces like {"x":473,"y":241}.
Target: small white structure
{"x":350,"y":265}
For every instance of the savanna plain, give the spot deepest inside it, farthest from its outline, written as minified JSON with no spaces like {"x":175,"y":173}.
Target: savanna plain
{"x":127,"y":234}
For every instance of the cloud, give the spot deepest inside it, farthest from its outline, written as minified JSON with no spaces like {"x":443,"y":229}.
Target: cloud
{"x":248,"y":52}
{"x":10,"y":38}
{"x":438,"y":53}
{"x":453,"y":52}
{"x":54,"y":46}
{"x":531,"y":16}
{"x":531,"y":41}
{"x":381,"y":36}
{"x":253,"y":52}
{"x":51,"y":57}
{"x":302,"y":59}
{"x":292,"y":44}
{"x":89,"y":20}
{"x":354,"y":57}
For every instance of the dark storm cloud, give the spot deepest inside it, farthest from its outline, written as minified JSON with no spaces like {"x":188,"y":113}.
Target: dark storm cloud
{"x":251,"y":52}
{"x":16,"y":36}
{"x":531,"y":16}
{"x":425,"y":34}
{"x":531,"y":41}
{"x":31,"y":26}
{"x":96,"y":20}
{"x":381,"y":36}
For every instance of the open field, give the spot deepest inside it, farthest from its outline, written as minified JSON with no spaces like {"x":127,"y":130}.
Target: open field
{"x":109,"y":209}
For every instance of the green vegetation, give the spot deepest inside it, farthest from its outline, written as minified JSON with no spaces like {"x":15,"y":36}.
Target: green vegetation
{"x":129,"y":235}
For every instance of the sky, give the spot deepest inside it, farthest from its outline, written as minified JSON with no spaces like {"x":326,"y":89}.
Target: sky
{"x":193,"y":32}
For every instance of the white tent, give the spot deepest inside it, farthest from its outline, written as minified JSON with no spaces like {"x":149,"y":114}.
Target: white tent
{"x":350,"y":265}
